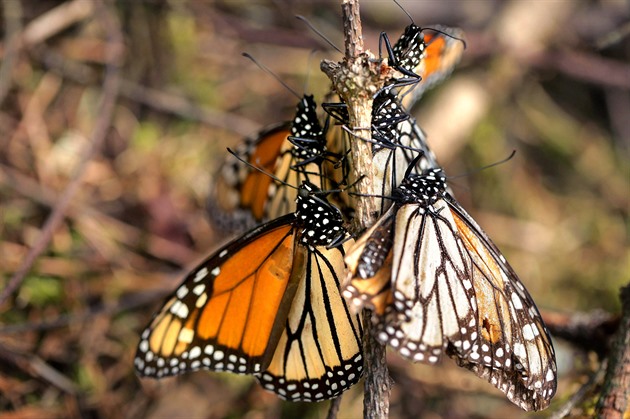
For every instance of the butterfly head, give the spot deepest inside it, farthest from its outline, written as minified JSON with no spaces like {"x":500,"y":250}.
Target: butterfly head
{"x":425,"y":188}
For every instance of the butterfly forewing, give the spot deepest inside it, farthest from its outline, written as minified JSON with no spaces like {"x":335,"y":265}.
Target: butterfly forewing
{"x":238,"y":197}
{"x":430,"y":307}
{"x":228,"y":311}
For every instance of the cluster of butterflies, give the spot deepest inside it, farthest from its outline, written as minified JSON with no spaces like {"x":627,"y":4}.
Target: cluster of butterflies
{"x":281,"y":301}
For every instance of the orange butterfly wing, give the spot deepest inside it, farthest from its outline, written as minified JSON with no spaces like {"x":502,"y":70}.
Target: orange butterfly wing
{"x":240,"y":193}
{"x":254,"y":191}
{"x":229,"y":312}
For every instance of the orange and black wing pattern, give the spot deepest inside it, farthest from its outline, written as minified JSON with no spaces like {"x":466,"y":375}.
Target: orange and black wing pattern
{"x":239,"y":196}
{"x":267,"y":304}
{"x":319,"y":355}
{"x":229,"y":312}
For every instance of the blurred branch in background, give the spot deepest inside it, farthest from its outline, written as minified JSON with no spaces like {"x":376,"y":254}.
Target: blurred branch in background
{"x":114,"y":54}
{"x":13,"y":25}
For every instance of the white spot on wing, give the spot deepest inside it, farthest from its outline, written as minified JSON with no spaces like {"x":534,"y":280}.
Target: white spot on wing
{"x":201,"y":274}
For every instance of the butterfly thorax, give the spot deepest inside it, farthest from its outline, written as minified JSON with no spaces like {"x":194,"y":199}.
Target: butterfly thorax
{"x":311,"y":147}
{"x":321,"y":223}
{"x":387,"y":113}
{"x":423,"y":189}
{"x":307,"y":134}
{"x":410,"y":47}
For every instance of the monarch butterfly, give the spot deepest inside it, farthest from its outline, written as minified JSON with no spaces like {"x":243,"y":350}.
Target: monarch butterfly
{"x":440,"y":286}
{"x":243,"y":197}
{"x":267,"y":304}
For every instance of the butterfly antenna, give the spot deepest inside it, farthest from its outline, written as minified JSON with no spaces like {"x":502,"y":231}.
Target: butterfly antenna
{"x":261,"y":170}
{"x":462,"y":40}
{"x":271,"y":73}
{"x":505,"y":160}
{"x":365,"y":195}
{"x":308,"y":69}
{"x":321,"y":35}
{"x":277,"y":179}
{"x":403,"y":9}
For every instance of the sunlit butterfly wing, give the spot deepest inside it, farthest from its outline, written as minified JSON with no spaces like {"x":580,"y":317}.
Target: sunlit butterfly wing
{"x":228,"y":313}
{"x":454,"y":293}
{"x":319,"y":355}
{"x":266,"y":304}
{"x":243,"y":197}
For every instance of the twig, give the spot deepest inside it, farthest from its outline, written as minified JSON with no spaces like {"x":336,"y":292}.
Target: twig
{"x":356,"y":80}
{"x":56,"y":20}
{"x":106,"y":110}
{"x":12,"y":12}
{"x":565,"y":410}
{"x":588,"y":331}
{"x":587,"y":67}
{"x":36,"y":366}
{"x":155,"y":99}
{"x":130,"y":235}
{"x":614,"y":401}
{"x":181,"y":106}
{"x":333,"y":410}
{"x":127,"y":303}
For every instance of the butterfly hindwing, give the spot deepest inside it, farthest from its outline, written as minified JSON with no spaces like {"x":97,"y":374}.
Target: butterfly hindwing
{"x":319,"y":354}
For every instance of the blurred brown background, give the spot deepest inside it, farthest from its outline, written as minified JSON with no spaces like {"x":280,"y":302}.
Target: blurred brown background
{"x":549,"y":79}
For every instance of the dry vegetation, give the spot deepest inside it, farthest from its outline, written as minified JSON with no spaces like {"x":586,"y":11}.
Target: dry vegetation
{"x":548,"y":79}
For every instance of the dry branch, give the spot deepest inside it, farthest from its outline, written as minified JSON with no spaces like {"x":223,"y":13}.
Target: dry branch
{"x":614,"y":400}
{"x":357,"y":79}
